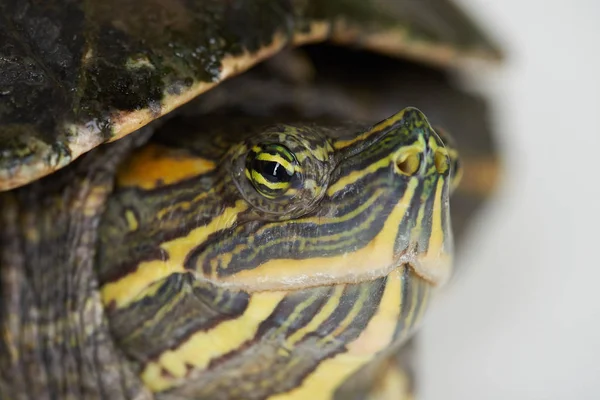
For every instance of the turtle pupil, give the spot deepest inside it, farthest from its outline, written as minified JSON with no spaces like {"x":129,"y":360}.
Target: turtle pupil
{"x":272,"y":171}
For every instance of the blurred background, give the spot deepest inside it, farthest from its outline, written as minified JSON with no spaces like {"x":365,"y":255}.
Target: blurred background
{"x":522,"y":320}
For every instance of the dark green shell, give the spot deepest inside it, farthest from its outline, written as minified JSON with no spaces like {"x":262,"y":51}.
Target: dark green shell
{"x":76,"y":74}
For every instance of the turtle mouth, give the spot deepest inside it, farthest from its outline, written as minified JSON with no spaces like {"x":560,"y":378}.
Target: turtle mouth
{"x":354,"y":272}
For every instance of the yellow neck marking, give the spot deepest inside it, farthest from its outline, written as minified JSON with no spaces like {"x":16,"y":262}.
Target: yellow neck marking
{"x":154,"y":166}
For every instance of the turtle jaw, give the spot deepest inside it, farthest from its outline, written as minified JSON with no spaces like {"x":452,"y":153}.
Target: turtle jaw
{"x":434,"y":270}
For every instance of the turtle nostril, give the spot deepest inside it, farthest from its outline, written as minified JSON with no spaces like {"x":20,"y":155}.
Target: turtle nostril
{"x":409,"y":164}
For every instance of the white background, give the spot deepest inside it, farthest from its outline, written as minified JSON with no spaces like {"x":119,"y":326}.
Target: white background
{"x":523,"y":321}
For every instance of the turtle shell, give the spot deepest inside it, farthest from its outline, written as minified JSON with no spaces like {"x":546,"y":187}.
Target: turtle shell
{"x":77,"y":74}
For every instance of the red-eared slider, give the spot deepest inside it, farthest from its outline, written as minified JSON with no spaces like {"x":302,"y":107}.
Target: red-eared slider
{"x":268,"y":240}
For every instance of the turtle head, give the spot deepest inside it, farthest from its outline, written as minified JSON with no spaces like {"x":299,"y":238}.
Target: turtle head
{"x":307,"y":246}
{"x":325,"y":206}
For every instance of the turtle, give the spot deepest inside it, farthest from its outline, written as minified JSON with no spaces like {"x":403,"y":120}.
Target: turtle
{"x":238,"y":199}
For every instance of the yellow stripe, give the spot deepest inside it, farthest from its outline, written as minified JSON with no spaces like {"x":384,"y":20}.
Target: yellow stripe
{"x":379,"y":332}
{"x":123,"y":291}
{"x":376,"y":129}
{"x":202,"y":347}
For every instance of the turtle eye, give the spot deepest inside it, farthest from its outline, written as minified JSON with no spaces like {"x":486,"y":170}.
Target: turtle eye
{"x":270,"y":169}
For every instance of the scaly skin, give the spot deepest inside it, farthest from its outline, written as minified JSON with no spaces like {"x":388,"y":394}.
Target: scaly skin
{"x":55,"y":341}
